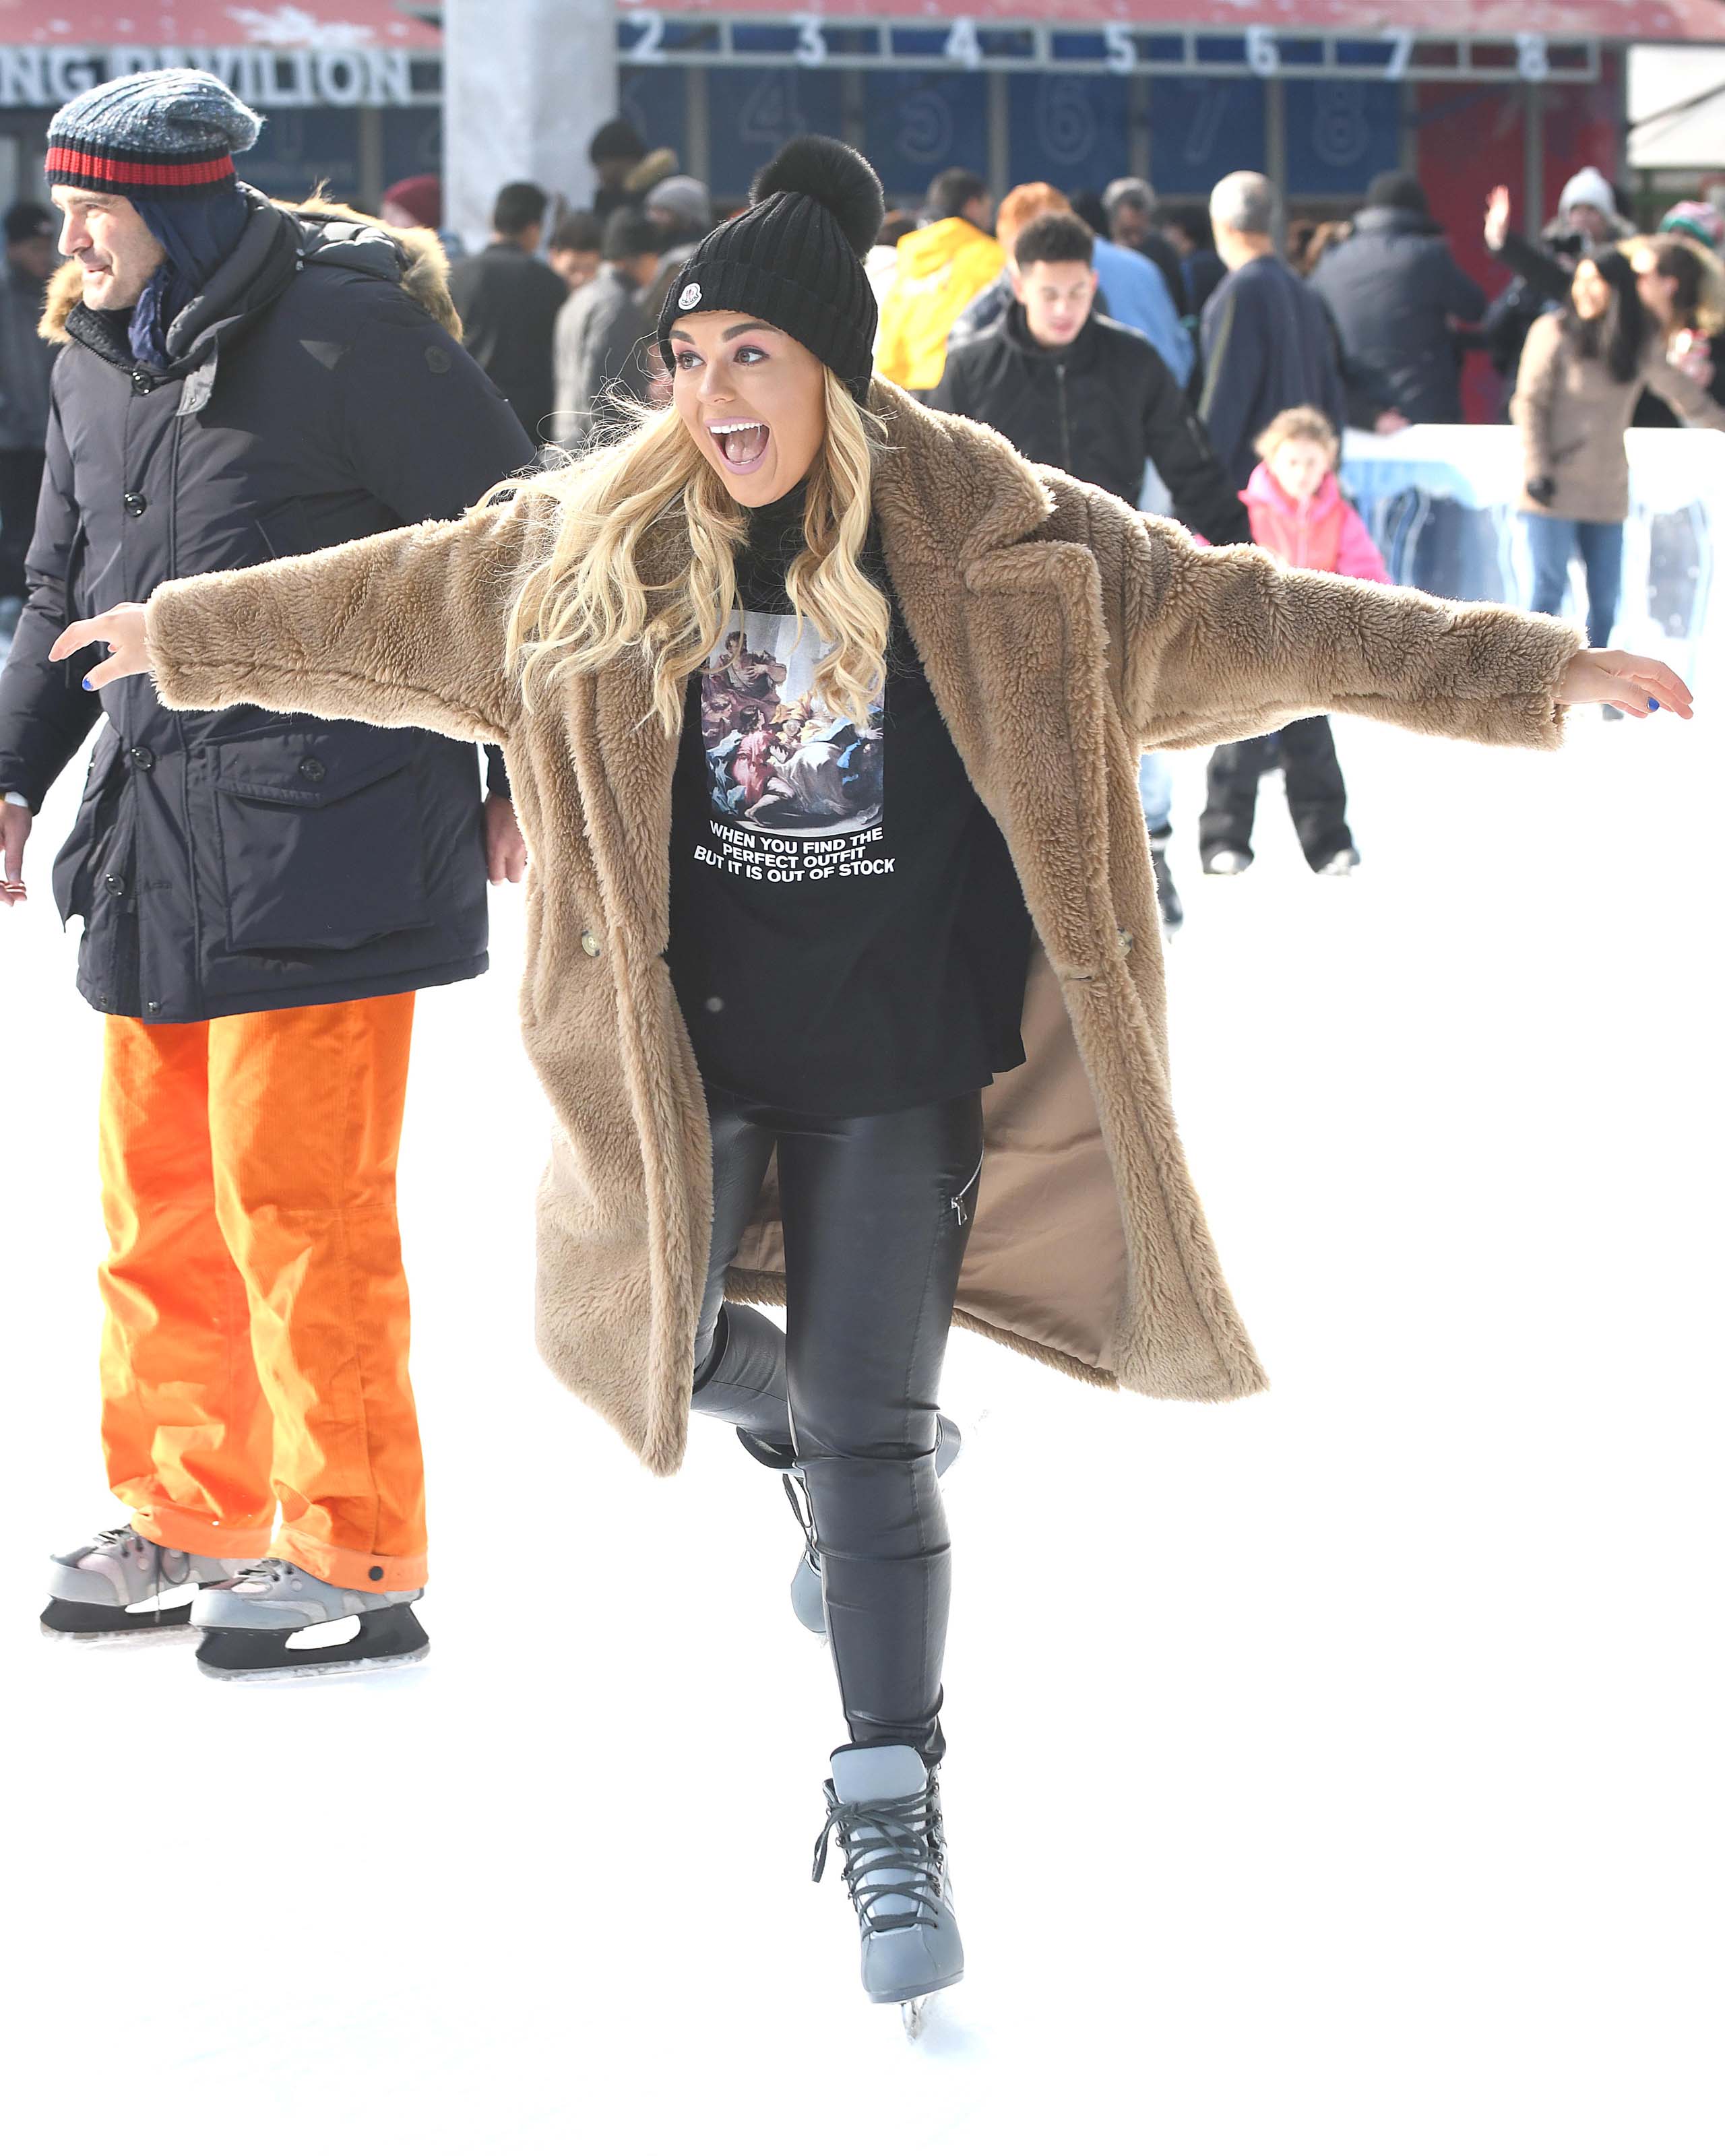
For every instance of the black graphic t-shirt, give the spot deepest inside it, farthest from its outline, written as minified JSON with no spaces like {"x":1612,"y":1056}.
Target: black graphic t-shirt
{"x":847,"y":932}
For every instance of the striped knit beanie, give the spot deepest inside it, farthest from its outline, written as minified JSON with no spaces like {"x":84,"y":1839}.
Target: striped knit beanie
{"x":793,"y":258}
{"x":164,"y":136}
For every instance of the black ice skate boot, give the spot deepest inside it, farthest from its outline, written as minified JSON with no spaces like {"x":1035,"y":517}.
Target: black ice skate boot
{"x":121,"y":1586}
{"x":274,"y":1620}
{"x":806,"y":1599}
{"x":883,"y":1802}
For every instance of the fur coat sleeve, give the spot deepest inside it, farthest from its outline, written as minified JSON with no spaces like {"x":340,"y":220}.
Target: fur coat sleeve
{"x":1224,"y":643}
{"x":407,"y":629}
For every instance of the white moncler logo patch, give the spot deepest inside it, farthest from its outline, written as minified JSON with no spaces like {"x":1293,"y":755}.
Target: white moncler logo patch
{"x":689,"y":296}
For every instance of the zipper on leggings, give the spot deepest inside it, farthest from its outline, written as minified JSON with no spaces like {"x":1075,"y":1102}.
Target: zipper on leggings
{"x":957,"y":1202}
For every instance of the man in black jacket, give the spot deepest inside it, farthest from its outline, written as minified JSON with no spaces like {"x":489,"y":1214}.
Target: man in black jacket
{"x":261,"y":894}
{"x":1269,"y":342}
{"x":1071,"y":388}
{"x":508,"y":301}
{"x":1398,"y":299}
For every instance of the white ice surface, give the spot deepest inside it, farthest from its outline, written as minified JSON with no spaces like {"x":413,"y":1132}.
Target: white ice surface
{"x":1339,"y":1771}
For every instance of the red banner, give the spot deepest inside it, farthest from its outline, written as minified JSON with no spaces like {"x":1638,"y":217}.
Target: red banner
{"x":1622,"y":21}
{"x":284,"y":25}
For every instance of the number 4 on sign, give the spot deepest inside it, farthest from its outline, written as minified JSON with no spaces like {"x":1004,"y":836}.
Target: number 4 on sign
{"x":963,"y":48}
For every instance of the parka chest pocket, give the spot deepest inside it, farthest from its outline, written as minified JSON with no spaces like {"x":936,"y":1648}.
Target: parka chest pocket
{"x":322,"y":847}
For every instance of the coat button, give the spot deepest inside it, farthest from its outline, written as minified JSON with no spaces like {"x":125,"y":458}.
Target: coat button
{"x":116,"y":883}
{"x":589,"y":943}
{"x":144,"y":758}
{"x":1125,"y":939}
{"x":142,"y":382}
{"x":134,"y":504}
{"x":311,"y":769}
{"x":152,"y":1006}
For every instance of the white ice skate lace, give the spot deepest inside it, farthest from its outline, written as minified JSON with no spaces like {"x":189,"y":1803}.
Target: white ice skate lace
{"x":882,"y":1834}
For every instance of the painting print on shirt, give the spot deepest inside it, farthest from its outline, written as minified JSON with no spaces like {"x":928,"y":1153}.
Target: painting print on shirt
{"x":795,"y":793}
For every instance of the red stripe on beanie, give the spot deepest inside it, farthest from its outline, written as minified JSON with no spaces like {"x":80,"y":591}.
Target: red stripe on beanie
{"x":122,"y":172}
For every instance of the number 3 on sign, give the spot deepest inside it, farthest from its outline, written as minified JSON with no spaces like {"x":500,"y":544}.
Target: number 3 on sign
{"x":963,"y":48}
{"x":811,"y":47}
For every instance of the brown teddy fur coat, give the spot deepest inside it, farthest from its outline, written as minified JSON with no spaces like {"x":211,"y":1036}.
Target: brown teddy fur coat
{"x":1061,"y":634}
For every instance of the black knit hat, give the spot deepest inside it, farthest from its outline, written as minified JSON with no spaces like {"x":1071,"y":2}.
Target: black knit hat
{"x":794,"y":258}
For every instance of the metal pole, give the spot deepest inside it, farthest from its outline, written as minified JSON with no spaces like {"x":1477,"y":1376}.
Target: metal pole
{"x":526,"y":82}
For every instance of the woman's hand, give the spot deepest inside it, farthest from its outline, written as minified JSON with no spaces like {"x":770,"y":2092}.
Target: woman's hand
{"x":121,"y":629}
{"x":505,"y":849}
{"x":1497,"y":218}
{"x":1633,"y":685}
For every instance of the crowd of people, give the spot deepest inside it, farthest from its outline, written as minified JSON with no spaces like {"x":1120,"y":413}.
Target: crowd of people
{"x":808,"y":699}
{"x":1152,"y":350}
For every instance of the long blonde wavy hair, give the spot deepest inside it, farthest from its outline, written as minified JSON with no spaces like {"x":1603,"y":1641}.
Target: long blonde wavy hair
{"x":588,"y":601}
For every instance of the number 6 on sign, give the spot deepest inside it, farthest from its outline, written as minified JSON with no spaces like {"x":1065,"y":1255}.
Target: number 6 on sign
{"x":1263,"y":54}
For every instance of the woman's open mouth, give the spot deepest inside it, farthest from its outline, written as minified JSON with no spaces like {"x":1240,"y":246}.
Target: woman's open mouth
{"x":742,"y":443}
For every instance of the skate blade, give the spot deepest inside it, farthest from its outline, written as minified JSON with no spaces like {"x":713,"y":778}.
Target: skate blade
{"x":313,"y":1672}
{"x":86,"y":1624}
{"x":382,"y":1639}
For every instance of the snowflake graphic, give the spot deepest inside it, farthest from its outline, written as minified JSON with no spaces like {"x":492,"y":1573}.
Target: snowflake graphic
{"x":289,"y":26}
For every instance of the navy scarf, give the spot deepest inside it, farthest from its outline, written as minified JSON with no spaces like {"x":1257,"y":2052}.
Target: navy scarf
{"x":199,"y":234}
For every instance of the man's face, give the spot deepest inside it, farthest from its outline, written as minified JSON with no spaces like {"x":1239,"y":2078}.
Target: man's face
{"x":1130,"y":224}
{"x":111,"y":244}
{"x":35,"y":256}
{"x":575,"y":265}
{"x":1589,"y":221}
{"x":1057,"y":298}
{"x":979,"y":211}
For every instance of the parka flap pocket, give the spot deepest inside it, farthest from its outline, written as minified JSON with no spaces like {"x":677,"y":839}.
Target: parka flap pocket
{"x":322,"y":840}
{"x":310,"y":770}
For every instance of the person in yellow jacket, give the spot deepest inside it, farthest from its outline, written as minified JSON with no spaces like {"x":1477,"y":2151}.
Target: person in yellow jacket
{"x":941,"y":269}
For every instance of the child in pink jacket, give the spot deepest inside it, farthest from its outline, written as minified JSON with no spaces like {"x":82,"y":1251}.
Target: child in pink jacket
{"x":1298,"y":515}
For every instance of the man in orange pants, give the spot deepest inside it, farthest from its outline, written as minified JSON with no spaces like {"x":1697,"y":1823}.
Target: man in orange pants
{"x":262,"y":896}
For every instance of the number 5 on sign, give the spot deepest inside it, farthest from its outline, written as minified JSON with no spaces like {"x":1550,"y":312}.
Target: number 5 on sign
{"x":1119,"y":52}
{"x":963,"y":48}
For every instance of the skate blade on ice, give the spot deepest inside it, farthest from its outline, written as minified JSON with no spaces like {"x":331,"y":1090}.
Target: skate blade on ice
{"x":345,"y":1646}
{"x":96,"y":1625}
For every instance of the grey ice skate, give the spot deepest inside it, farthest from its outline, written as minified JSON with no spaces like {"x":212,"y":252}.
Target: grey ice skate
{"x":123,"y":1587}
{"x":274,"y":1619}
{"x":884,"y":1805}
{"x":806,"y":1593}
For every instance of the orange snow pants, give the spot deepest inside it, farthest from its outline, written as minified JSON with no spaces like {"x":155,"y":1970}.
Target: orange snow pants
{"x":254,"y":1338}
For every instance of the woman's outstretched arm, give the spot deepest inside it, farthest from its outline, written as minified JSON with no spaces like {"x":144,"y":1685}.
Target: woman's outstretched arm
{"x":407,"y":629}
{"x":1224,"y":643}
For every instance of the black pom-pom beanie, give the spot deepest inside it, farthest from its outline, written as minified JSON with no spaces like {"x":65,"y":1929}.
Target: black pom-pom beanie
{"x":793,"y":260}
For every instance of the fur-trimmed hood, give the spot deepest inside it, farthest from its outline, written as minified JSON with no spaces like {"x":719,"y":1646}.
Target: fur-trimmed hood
{"x":333,"y":233}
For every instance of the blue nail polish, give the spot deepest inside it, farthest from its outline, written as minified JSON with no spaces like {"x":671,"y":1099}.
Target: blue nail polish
{"x":1653,"y":703}
{"x":86,"y":680}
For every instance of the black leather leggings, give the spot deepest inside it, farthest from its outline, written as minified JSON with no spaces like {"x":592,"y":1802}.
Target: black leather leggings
{"x":877,"y":1213}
